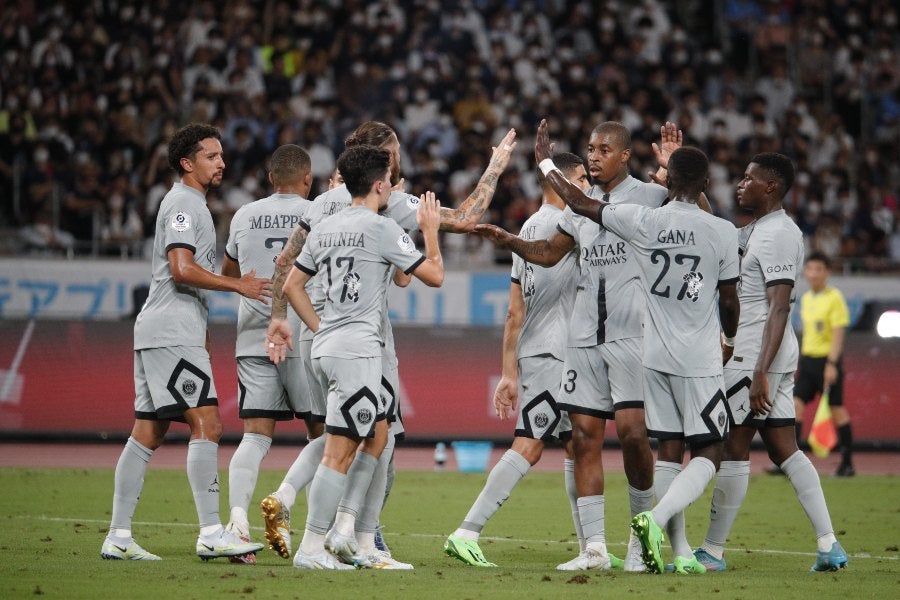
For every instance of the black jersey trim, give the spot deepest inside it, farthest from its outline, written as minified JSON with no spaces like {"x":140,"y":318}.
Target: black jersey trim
{"x":665,"y":435}
{"x":564,"y":232}
{"x":305,"y":225}
{"x":728,"y":281}
{"x":258,"y":413}
{"x":174,"y":245}
{"x":230,"y":256}
{"x":413,"y":266}
{"x":628,"y":404}
{"x":789,"y":282}
{"x":581,"y":410}
{"x":305,"y":269}
{"x":515,"y":280}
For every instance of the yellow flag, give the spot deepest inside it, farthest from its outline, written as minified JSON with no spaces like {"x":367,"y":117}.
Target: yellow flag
{"x":823,"y":435}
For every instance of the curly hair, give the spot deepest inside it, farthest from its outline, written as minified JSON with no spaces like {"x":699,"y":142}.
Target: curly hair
{"x":361,"y":166}
{"x":186,"y":142}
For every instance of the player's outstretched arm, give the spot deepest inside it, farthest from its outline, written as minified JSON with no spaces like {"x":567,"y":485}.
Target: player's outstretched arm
{"x":431,"y":270}
{"x":469,"y":213}
{"x":187,"y":272}
{"x":568,"y":191}
{"x":545,"y":253}
{"x":506,"y":394}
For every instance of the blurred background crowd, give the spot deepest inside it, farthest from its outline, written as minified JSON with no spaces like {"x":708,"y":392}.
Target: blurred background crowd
{"x":90,"y":90}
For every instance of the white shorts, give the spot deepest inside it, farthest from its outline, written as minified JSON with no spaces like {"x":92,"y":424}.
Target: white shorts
{"x":599,"y":380}
{"x":168,"y":381}
{"x":539,"y":416}
{"x":272,"y":391}
{"x":353,"y":401}
{"x":781,"y":394}
{"x":688,"y":408}
{"x":317,"y":403}
{"x":390,"y":396}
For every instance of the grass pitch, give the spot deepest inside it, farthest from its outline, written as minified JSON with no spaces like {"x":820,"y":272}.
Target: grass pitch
{"x":55,"y":521}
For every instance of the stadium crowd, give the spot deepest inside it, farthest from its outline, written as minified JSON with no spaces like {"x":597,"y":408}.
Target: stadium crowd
{"x":90,"y":92}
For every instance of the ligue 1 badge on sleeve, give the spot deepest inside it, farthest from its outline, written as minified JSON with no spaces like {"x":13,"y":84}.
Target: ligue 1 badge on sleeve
{"x":181,"y":222}
{"x":406,"y":244}
{"x":412,"y":202}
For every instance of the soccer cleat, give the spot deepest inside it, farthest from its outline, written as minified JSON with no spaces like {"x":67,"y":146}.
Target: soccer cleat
{"x":247,"y":559}
{"x":633,"y":561}
{"x":129,"y":549}
{"x":465,"y":550}
{"x":346,"y":549}
{"x":615,"y":562}
{"x":224,"y":543}
{"x":320,"y":561}
{"x":832,"y":560}
{"x":380,"y":544}
{"x":587,"y":560}
{"x":845,"y":470}
{"x":709,"y":561}
{"x":688,"y":566}
{"x":278,"y":524}
{"x":651,"y":537}
{"x":381,"y":559}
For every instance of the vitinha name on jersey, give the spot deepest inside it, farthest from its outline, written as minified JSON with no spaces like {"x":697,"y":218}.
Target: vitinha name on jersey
{"x":676,"y":236}
{"x":600,"y":255}
{"x":275,"y":221}
{"x":356,"y":239}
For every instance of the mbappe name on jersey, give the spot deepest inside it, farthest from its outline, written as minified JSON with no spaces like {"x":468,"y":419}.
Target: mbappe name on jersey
{"x":275,"y":221}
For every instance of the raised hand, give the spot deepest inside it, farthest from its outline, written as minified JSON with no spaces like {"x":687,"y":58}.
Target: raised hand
{"x":428,"y":217}
{"x":543,"y":149}
{"x":255,"y":288}
{"x":496,"y":235}
{"x":670,"y":140}
{"x":502,"y":152}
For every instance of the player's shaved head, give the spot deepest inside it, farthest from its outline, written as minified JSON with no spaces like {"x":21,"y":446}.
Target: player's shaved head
{"x":688,"y":172}
{"x":615,"y":130}
{"x":289,"y":164}
{"x":780,"y":166}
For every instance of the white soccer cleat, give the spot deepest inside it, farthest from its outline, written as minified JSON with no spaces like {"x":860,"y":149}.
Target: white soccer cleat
{"x":346,"y":548}
{"x":278,"y":524}
{"x":246,"y":559}
{"x":381,"y":559}
{"x":586,"y":560}
{"x":633,"y":561}
{"x":320,"y":561}
{"x":224,"y":543}
{"x":117,"y":549}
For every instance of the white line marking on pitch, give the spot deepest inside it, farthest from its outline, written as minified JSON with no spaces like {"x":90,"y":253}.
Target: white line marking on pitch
{"x":434,"y":536}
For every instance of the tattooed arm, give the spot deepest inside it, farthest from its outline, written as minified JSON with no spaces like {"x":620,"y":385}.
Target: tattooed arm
{"x":279,"y":334}
{"x":469,"y":213}
{"x":544,"y":253}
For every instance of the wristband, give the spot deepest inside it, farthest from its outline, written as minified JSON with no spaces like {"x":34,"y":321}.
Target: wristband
{"x":546,"y":166}
{"x":728,"y":341}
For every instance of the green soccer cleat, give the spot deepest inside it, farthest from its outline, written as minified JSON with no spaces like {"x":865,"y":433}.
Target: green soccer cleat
{"x":688,"y":566}
{"x":466,"y":551}
{"x":651,"y":538}
{"x":615,"y":562}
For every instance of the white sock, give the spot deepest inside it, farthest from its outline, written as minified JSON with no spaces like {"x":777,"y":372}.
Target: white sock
{"x":805,"y":479}
{"x":591,"y":513}
{"x":572,"y":493}
{"x":731,"y":488}
{"x":302,"y":471}
{"x":505,"y":475}
{"x":684,"y":489}
{"x":243,"y":472}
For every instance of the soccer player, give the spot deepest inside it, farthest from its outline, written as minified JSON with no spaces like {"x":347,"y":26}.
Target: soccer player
{"x":268,"y":392}
{"x":402,"y":207}
{"x":172,"y":373}
{"x":759,"y":377}
{"x":602,"y":379}
{"x":688,"y":263}
{"x":355,"y":250}
{"x":534,"y":346}
{"x":825,"y":317}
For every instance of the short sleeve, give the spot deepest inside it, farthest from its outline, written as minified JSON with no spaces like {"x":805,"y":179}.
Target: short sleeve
{"x":305,"y":262}
{"x":181,"y":225}
{"x":729,"y":264}
{"x":777,"y":260}
{"x":840,"y":313}
{"x":231,"y":246}
{"x":515,"y":274}
{"x":566,"y":224}
{"x":623,"y":219}
{"x":398,"y":248}
{"x":402,"y":209}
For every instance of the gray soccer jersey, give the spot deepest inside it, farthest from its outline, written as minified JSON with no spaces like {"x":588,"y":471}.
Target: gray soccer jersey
{"x":259,"y":231}
{"x":771,"y":251}
{"x":684,"y":253}
{"x":174,"y":314}
{"x":354,"y":251}
{"x":609,"y":302}
{"x":548,"y":292}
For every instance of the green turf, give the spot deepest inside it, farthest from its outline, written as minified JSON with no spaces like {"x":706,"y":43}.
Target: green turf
{"x":54,"y":522}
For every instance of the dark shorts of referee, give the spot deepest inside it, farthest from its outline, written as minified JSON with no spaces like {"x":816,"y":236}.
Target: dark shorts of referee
{"x":810,"y":374}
